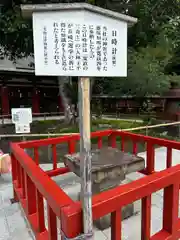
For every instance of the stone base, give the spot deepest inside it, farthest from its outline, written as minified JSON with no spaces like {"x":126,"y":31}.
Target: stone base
{"x":127,"y":211}
{"x":105,"y":222}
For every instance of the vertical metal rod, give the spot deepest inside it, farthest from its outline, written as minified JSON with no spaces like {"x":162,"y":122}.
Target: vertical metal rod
{"x":85,"y":153}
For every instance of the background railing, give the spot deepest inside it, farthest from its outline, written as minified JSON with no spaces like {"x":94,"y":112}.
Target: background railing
{"x":31,"y":185}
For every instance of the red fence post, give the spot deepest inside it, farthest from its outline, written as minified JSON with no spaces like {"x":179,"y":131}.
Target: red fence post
{"x":40,"y":212}
{"x":14,"y":175}
{"x":100,"y":142}
{"x":54,"y":156}
{"x":146,"y":218}
{"x":112,"y":140}
{"x":71,"y":146}
{"x":135,"y":147}
{"x":169,"y":158}
{"x":36,"y":155}
{"x":19,"y":176}
{"x":52,"y":224}
{"x":30,"y":196}
{"x":122,"y":144}
{"x":116,"y":225}
{"x":23,"y":183}
{"x":171,"y":208}
{"x":150,"y":158}
{"x":5,"y":100}
{"x":72,"y":225}
{"x":14,"y":167}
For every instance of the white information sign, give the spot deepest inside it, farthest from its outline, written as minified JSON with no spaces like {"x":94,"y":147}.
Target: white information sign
{"x":79,"y":43}
{"x":22,"y":128}
{"x":21,"y":116}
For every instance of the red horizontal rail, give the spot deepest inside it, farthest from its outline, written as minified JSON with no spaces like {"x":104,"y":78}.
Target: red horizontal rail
{"x":58,"y":171}
{"x":55,"y":196}
{"x":76,"y":137}
{"x":143,"y":138}
{"x":62,"y":139}
{"x":112,"y":200}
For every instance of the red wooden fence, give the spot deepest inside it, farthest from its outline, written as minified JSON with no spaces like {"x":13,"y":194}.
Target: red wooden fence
{"x":32,"y":185}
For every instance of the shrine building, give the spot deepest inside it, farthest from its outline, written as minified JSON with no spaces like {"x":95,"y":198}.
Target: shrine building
{"x":19,"y":87}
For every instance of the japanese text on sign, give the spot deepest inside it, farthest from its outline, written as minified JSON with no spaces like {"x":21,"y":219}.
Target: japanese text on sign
{"x":79,"y":48}
{"x":79,"y":44}
{"x":21,"y":115}
{"x":114,"y":47}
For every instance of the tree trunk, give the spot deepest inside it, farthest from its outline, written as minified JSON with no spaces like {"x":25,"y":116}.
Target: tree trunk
{"x":70,"y":111}
{"x":63,"y":81}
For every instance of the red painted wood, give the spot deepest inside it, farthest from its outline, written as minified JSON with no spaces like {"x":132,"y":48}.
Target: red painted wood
{"x":19,"y":176}
{"x":110,"y":201}
{"x":62,"y":139}
{"x":169,"y":157}
{"x":23,"y":184}
{"x":58,"y":171}
{"x":46,"y":186}
{"x":14,"y":167}
{"x":36,"y":155}
{"x":5,"y":100}
{"x":132,"y":136}
{"x":112,"y":140}
{"x":71,"y":146}
{"x":171,"y":208}
{"x":33,"y":220}
{"x":52,"y":224}
{"x":40,"y":212}
{"x":146,"y":218}
{"x":135,"y":149}
{"x":122,"y":144}
{"x":150,"y":158}
{"x":54,"y":156}
{"x":156,"y":141}
{"x":116,"y":225}
{"x":100,"y":142}
{"x":162,"y":235}
{"x":35,"y":101}
{"x":30,"y":196}
{"x":71,"y":220}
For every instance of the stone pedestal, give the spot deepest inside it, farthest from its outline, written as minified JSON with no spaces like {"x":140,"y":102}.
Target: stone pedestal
{"x":105,"y":222}
{"x":109,"y":169}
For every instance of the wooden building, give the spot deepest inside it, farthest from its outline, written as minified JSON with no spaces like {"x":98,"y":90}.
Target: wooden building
{"x":19,"y":87}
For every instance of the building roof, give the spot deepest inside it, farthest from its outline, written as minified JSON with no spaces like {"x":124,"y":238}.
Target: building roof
{"x":28,"y":9}
{"x":24,"y":65}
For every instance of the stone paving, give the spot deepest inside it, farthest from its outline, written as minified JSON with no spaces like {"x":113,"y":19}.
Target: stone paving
{"x":13,"y":225}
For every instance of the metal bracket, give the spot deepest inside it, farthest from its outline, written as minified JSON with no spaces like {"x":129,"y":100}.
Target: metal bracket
{"x":13,"y":200}
{"x":80,"y":237}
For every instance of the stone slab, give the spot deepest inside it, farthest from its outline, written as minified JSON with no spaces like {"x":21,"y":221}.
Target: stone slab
{"x":107,"y":158}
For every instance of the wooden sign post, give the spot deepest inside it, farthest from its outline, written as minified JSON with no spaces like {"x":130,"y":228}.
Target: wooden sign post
{"x":80,"y":39}
{"x":85,"y":148}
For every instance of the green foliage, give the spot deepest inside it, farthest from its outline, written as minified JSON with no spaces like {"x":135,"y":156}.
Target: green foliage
{"x":152,"y":15}
{"x":172,"y":33}
{"x":15,"y":33}
{"x":154,"y":45}
{"x":145,"y":74}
